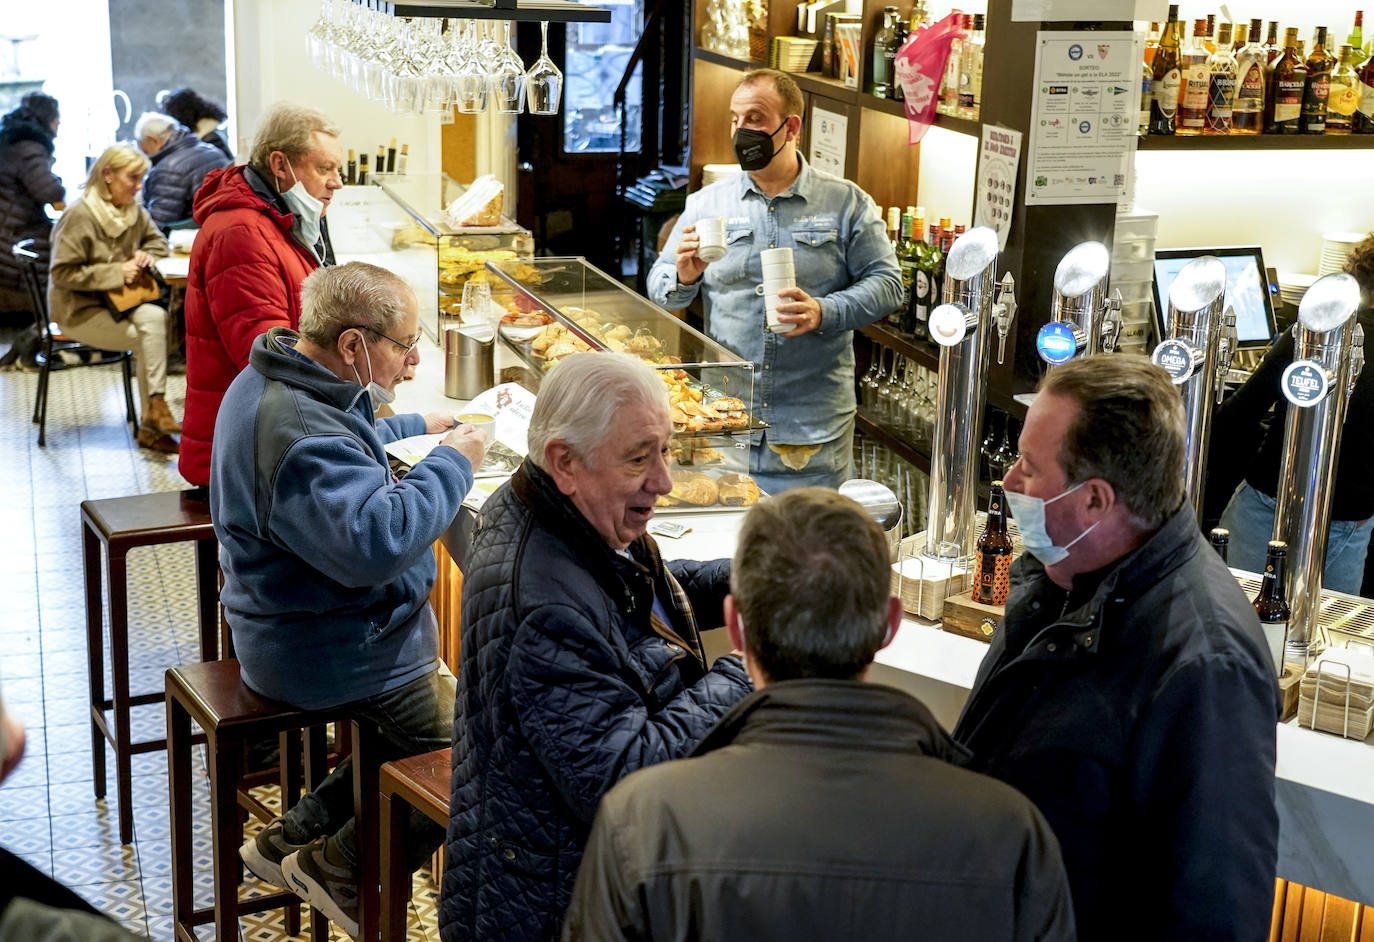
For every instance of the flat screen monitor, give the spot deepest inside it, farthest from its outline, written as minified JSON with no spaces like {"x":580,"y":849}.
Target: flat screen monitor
{"x":1248,"y":290}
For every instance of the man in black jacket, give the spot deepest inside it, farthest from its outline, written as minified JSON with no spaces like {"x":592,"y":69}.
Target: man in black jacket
{"x":180,"y":162}
{"x":1129,"y":692}
{"x":820,"y":807}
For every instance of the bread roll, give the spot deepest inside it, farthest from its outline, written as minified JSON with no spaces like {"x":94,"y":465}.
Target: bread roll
{"x":737,"y":490}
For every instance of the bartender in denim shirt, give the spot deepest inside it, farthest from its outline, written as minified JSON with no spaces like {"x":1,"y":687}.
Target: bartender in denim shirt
{"x":847,"y":277}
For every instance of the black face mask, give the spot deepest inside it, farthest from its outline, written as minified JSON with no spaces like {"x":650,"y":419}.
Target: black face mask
{"x":754,"y":149}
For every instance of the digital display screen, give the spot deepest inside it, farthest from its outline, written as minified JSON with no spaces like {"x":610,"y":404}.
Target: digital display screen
{"x":1247,"y":289}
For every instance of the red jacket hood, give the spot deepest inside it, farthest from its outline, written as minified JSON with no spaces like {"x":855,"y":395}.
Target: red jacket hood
{"x":228,"y":188}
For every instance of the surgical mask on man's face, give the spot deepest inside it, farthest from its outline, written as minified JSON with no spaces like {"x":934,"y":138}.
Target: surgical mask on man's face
{"x":305,"y":208}
{"x":1029,"y":513}
{"x":381,"y":396}
{"x":754,"y":149}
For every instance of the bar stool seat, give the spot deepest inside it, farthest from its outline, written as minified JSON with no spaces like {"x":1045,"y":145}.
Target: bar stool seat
{"x":120,"y":524}
{"x":213,"y":696}
{"x":421,"y":782}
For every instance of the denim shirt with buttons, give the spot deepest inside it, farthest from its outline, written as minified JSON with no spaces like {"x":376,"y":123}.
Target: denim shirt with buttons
{"x":803,"y":386}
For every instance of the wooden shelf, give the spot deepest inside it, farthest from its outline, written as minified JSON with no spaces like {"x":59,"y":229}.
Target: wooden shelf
{"x":892,"y":106}
{"x":889,"y":440}
{"x":730,"y":62}
{"x":1205,"y":142}
{"x":922,"y":351}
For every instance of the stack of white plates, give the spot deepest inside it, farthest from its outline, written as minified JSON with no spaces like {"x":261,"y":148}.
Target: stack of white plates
{"x":1336,"y":248}
{"x":792,"y":53}
{"x":713,"y":172}
{"x":1293,"y":285}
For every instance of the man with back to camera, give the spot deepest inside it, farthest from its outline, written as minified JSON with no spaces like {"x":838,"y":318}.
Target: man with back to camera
{"x":820,"y":806}
{"x":180,"y":163}
{"x":1129,"y":692}
{"x":262,"y":231}
{"x":581,"y":656}
{"x":847,"y":278}
{"x":328,"y":559}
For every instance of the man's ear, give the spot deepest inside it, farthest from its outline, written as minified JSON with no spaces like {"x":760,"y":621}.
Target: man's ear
{"x":349,"y":346}
{"x":794,"y":123}
{"x":733,"y":626}
{"x":1101,"y":498}
{"x":561,"y":462}
{"x":895,"y":614}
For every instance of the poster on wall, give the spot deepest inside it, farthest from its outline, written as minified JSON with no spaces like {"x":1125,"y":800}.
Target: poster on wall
{"x":1084,"y":112}
{"x":995,"y":193}
{"x":828,"y":135}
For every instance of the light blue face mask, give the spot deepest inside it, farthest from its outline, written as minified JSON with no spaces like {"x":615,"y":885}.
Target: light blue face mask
{"x":1030,"y":520}
{"x":305,"y":208}
{"x":381,"y":396}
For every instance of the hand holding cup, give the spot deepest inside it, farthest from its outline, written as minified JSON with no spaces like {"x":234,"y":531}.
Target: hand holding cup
{"x":469,"y":441}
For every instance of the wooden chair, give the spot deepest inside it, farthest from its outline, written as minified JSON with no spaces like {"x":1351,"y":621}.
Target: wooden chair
{"x":420,"y":782}
{"x":53,"y":343}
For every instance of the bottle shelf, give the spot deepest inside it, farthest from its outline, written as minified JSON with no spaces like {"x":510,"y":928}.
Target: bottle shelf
{"x":923,"y":352}
{"x":892,"y":442}
{"x":892,"y":106}
{"x":1203,"y":142}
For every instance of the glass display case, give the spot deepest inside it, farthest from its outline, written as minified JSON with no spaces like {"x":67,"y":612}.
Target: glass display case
{"x":559,"y":307}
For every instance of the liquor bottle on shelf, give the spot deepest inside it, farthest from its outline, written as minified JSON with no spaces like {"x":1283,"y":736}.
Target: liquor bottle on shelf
{"x":1272,"y":50}
{"x":1221,"y":89}
{"x":1151,"y":43}
{"x":882,"y":77}
{"x":1344,"y":97}
{"x":1242,"y":36}
{"x":1356,"y":41}
{"x":1210,"y":31}
{"x":993,"y":560}
{"x":918,"y":15}
{"x":1167,"y":77}
{"x":1247,"y":115}
{"x":971,"y":71}
{"x":1317,"y":88}
{"x":1271,"y":605}
{"x":899,"y":35}
{"x":1147,"y":81}
{"x":1220,"y":538}
{"x":1362,"y":122}
{"x":949,"y":85}
{"x":1192,"y":104}
{"x":894,"y":226}
{"x":1286,"y":82}
{"x":908,"y":256}
{"x":928,"y":278}
{"x":918,"y":316}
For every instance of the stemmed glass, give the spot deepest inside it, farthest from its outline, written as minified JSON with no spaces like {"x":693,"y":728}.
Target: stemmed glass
{"x":868,"y":386}
{"x":507,"y":76}
{"x":1007,"y":452}
{"x":317,"y":37}
{"x":471,"y":80}
{"x":889,"y":396}
{"x":544,"y":82}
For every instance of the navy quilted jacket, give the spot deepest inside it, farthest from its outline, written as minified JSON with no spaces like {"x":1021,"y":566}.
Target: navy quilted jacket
{"x":178,"y":171}
{"x":565,"y":688}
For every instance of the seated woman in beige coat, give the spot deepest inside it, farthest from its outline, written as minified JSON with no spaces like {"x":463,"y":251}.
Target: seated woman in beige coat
{"x":105,"y":240}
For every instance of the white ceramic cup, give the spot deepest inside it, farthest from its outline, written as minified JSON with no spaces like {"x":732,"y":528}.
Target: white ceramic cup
{"x":482,"y":420}
{"x":771,"y":300}
{"x":711,"y":239}
{"x":777,"y":256}
{"x":777,"y":272}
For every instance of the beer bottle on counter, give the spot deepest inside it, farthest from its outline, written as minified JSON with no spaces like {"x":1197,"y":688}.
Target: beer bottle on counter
{"x":994,"y":552}
{"x":1271,"y":605}
{"x":1221,"y":539}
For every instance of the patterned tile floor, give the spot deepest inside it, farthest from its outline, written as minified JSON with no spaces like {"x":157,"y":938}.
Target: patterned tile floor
{"x":48,"y":811}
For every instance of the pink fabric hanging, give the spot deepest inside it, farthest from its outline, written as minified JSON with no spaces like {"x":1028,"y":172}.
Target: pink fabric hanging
{"x":920,"y":64}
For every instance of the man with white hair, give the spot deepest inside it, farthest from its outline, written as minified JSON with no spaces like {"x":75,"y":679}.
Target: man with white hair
{"x":328,"y":559}
{"x":581,"y":656}
{"x":180,"y":162}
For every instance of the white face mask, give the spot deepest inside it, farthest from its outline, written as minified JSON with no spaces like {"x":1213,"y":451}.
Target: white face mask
{"x":305,"y":208}
{"x":381,"y":396}
{"x":1030,"y":520}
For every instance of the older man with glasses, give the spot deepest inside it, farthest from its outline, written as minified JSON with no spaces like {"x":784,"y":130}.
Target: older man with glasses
{"x":327,"y":557}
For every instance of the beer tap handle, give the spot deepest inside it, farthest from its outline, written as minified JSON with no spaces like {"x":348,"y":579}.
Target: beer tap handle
{"x":1111,"y":322}
{"x":1356,"y":357}
{"x":1003,"y":310}
{"x":1226,"y":349}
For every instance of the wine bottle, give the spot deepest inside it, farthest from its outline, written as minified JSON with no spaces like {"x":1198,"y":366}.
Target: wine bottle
{"x":1317,"y":89}
{"x":1167,"y":76}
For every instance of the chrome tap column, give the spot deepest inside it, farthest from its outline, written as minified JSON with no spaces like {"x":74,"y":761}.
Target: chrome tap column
{"x":1083,"y":319}
{"x":962,"y":325}
{"x":1197,"y":355}
{"x":1328,"y":354}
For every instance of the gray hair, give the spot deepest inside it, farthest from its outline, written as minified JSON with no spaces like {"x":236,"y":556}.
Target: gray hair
{"x":337,"y":297}
{"x":288,"y":128}
{"x":811,"y":581}
{"x":581,"y":396}
{"x":152,"y":124}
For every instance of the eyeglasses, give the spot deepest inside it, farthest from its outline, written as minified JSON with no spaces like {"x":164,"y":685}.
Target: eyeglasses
{"x":407,"y":347}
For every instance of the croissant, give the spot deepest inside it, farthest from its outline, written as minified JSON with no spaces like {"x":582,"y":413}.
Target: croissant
{"x":737,"y":490}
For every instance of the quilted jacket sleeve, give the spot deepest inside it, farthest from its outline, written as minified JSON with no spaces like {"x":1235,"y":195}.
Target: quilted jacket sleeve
{"x":582,"y":706}
{"x":246,"y":291}
{"x":706,"y":584}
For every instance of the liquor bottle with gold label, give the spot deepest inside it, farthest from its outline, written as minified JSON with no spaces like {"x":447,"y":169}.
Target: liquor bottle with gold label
{"x":1247,"y":115}
{"x":1168,"y":76}
{"x":1317,"y":88}
{"x":1272,"y":49}
{"x":1209,"y":32}
{"x":1221,"y":89}
{"x":1363,"y":120}
{"x":1286,"y":84}
{"x":993,"y":560}
{"x":1242,"y":36}
{"x":1344,"y":98}
{"x":907,"y":258}
{"x":1271,"y":605}
{"x":1151,"y":43}
{"x":1192,"y":104}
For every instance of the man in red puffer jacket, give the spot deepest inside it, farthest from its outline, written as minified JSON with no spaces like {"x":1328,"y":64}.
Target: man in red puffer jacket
{"x":262,"y":231}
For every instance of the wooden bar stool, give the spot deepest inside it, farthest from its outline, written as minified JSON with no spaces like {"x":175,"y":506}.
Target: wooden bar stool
{"x":121,"y":524}
{"x":213,"y":696}
{"x":420,"y":782}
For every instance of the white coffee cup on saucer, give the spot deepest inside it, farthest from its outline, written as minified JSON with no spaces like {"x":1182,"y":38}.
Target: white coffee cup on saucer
{"x":711,"y":238}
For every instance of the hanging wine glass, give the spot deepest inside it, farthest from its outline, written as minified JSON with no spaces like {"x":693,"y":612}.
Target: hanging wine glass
{"x":508,"y":76}
{"x":317,"y":38}
{"x":543,"y":82}
{"x":471,"y":80}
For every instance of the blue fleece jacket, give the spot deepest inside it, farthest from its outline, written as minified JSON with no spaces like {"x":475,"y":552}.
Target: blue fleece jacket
{"x":327,"y":559}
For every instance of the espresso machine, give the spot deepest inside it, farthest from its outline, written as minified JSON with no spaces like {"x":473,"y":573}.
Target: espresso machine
{"x":1328,"y":354}
{"x":1083,"y":319}
{"x":1197,"y":355}
{"x":962,"y":325}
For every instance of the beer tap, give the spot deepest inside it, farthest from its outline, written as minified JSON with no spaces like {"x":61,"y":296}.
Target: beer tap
{"x":1226,"y":349}
{"x":1003,"y":310}
{"x":1191,"y":355}
{"x":1083,"y":319}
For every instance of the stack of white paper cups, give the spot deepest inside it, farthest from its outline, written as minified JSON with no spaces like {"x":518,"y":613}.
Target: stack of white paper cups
{"x":711,"y":239}
{"x":779,"y":272}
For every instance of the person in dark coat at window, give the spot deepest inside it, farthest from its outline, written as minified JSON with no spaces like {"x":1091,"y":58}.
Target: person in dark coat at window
{"x":180,"y":162}
{"x":27,"y":183}
{"x":581,"y":656}
{"x":821,"y":806}
{"x":203,"y":116}
{"x":1128,"y":691}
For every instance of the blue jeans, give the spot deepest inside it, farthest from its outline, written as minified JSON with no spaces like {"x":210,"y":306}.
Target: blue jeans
{"x":413,"y":719}
{"x":829,"y":467}
{"x":1250,"y":518}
